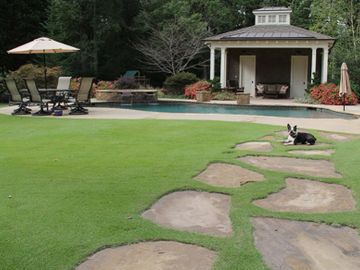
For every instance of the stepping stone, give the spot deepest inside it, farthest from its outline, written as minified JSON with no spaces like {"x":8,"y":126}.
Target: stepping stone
{"x":336,"y":137}
{"x":193,"y":211}
{"x":286,"y":244}
{"x":161,"y":255}
{"x":327,"y":152}
{"x":320,"y":168}
{"x":228,"y":175}
{"x":255,"y":146}
{"x":268,"y":138}
{"x":302,"y":195}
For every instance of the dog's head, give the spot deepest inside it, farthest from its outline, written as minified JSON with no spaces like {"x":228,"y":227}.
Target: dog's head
{"x":292,"y":130}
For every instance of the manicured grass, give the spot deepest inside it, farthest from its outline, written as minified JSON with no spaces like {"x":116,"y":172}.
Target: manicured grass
{"x":80,"y":185}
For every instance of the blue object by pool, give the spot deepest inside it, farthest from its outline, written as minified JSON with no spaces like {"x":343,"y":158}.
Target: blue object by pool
{"x":280,"y":111}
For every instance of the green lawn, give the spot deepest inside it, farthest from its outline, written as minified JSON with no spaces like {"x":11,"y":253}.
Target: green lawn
{"x":80,"y":185}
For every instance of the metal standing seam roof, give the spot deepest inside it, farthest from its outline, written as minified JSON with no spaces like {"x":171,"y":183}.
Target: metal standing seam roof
{"x":270,"y":32}
{"x":273,"y":9}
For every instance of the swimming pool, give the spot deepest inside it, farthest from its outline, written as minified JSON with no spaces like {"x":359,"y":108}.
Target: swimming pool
{"x":279,"y":111}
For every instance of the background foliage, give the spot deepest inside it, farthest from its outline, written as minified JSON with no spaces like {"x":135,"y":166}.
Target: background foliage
{"x":107,"y":33}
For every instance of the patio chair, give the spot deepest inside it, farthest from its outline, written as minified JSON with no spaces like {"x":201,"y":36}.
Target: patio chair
{"x":63,"y":93}
{"x":63,"y":83}
{"x":16,"y":98}
{"x":83,"y":96}
{"x":36,"y":98}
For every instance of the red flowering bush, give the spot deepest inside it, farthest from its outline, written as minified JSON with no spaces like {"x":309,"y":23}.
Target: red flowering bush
{"x":329,"y":94}
{"x":190,"y":90}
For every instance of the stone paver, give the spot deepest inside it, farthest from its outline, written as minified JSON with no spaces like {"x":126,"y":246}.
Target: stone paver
{"x":268,"y":138}
{"x":160,"y":255}
{"x":193,"y":211}
{"x":301,"y":195}
{"x":228,"y":175}
{"x":255,"y":146}
{"x":320,"y":168}
{"x":297,"y":245}
{"x":327,"y":152}
{"x":337,"y":137}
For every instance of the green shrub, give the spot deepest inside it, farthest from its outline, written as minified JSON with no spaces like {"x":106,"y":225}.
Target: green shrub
{"x":224,"y":95}
{"x":216,"y":85}
{"x":37,"y":73}
{"x":175,"y":84}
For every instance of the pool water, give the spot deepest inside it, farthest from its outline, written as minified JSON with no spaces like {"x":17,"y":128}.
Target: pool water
{"x":280,"y":111}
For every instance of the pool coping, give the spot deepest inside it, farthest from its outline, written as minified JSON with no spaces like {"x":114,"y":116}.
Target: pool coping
{"x":271,"y":103}
{"x":110,"y":104}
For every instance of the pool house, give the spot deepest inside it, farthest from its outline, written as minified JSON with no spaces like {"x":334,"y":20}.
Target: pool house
{"x":270,"y":53}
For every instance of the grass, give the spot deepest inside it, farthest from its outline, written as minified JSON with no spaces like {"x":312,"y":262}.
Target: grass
{"x":80,"y":185}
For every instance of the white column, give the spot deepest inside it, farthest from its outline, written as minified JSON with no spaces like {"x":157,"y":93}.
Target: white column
{"x":212,"y":63}
{"x":223,"y":68}
{"x":325,"y":59}
{"x":313,"y":63}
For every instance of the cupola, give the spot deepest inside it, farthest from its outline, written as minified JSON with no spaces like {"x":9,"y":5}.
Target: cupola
{"x":272,"y":16}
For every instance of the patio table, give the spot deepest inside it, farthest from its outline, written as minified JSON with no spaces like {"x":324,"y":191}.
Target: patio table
{"x":57,"y":96}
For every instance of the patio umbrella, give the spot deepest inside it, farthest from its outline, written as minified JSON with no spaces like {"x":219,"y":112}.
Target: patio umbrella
{"x":43,"y":46}
{"x":344,"y":83}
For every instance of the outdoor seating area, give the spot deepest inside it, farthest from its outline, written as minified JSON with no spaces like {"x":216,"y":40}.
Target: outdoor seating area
{"x":270,"y":90}
{"x":50,"y":101}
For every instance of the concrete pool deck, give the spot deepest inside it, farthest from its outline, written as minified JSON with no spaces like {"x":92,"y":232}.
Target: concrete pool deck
{"x":351,"y":126}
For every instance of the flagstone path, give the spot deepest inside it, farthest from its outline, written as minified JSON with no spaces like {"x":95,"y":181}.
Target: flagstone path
{"x":286,"y":244}
{"x":193,"y":211}
{"x":160,"y":255}
{"x":228,"y":175}
{"x":255,"y":146}
{"x":320,"y":168}
{"x":301,"y":195}
{"x":336,"y":136}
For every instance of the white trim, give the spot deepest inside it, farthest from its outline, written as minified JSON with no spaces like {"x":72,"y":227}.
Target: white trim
{"x":325,"y":60}
{"x":313,"y":62}
{"x":223,"y":68}
{"x":212,"y":63}
{"x":271,"y":43}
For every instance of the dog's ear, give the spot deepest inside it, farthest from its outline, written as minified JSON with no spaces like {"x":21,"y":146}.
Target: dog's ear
{"x":295,"y":128}
{"x":289,"y":127}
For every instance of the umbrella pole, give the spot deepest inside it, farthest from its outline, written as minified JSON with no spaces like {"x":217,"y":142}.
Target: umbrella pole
{"x":344,"y":102}
{"x":44,"y":58}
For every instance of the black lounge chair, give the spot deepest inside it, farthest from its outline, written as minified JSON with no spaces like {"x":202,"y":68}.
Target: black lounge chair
{"x":36,"y":98}
{"x":83,"y":96}
{"x":16,"y":98}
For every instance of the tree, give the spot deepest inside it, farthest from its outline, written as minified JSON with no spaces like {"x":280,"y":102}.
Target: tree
{"x":175,"y":47}
{"x":341,"y":20}
{"x":21,"y":21}
{"x":172,"y":36}
{"x":101,"y":31}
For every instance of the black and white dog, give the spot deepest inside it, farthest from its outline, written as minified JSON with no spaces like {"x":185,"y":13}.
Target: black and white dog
{"x":296,"y":137}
